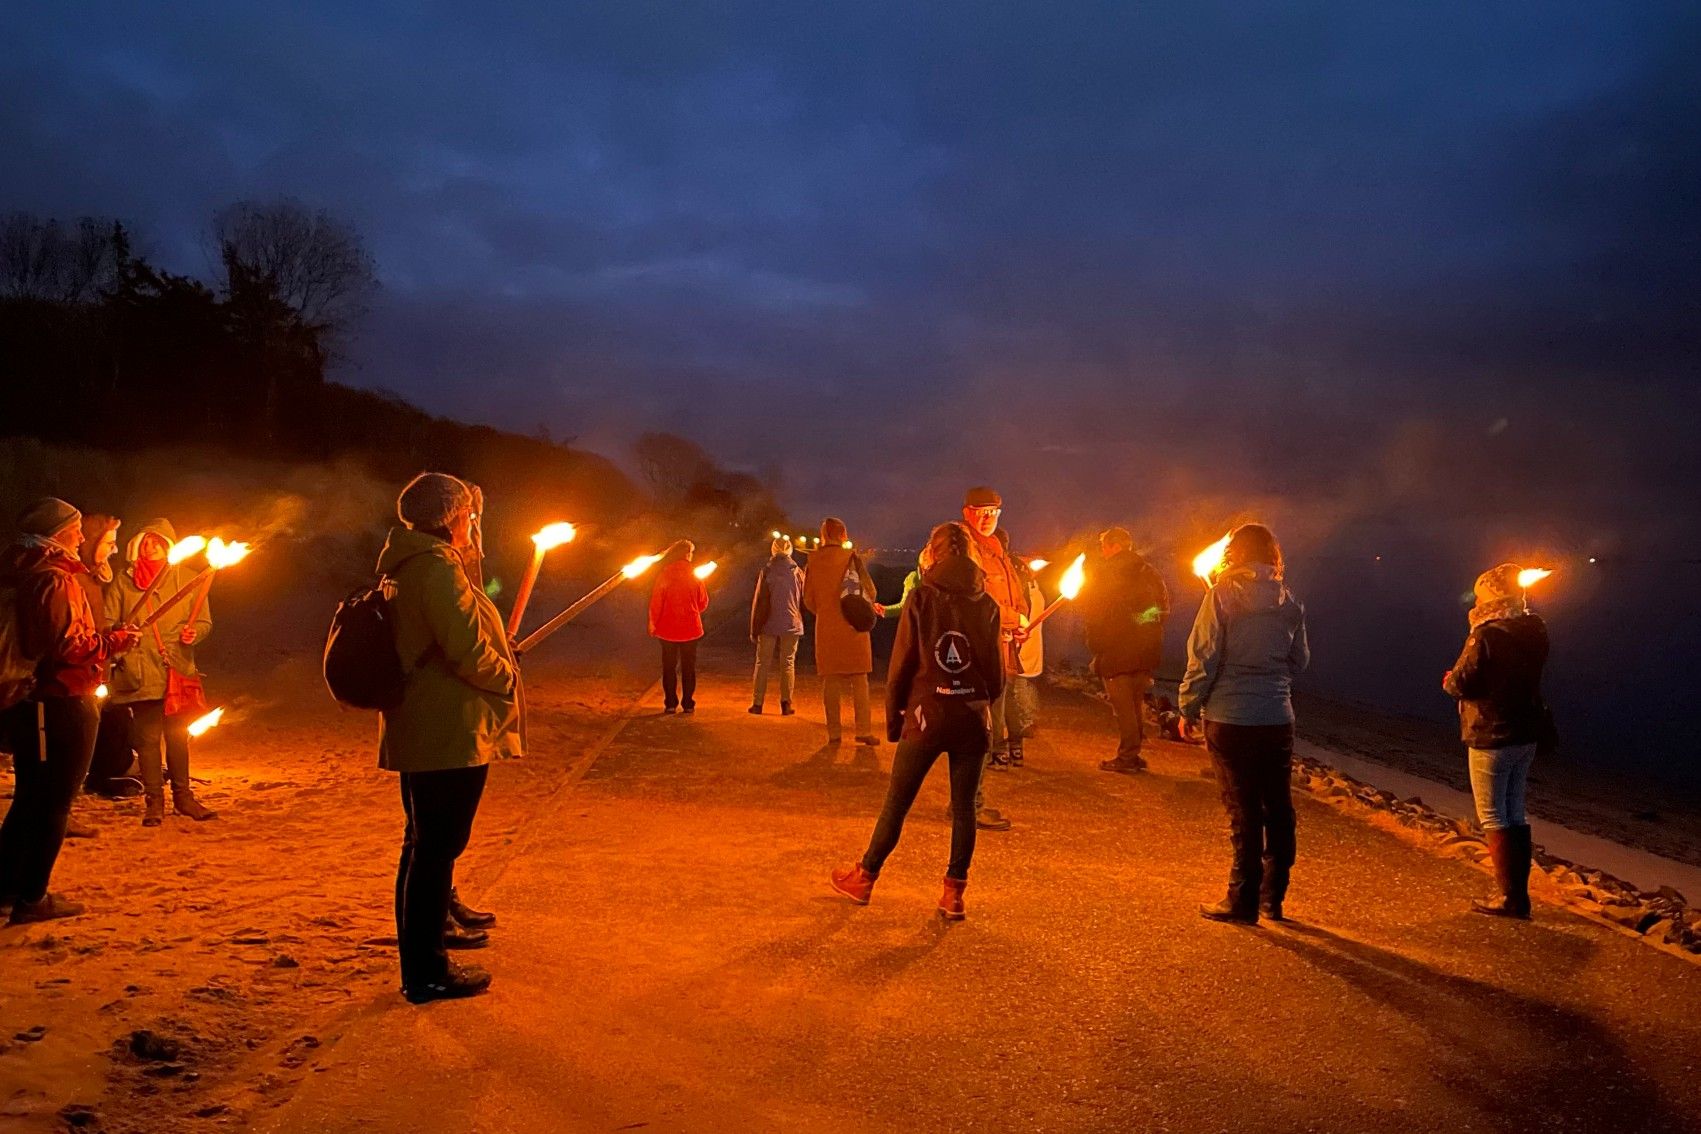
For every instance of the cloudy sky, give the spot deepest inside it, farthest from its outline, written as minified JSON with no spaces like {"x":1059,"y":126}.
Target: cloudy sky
{"x":1346,"y":263}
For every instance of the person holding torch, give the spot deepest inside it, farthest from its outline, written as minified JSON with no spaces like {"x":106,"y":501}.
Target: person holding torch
{"x":983,"y":508}
{"x":1503,"y":721}
{"x":1248,"y":643}
{"x":159,"y":683}
{"x":1124,"y":612}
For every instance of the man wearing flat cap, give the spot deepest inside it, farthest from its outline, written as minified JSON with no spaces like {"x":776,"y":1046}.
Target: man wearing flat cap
{"x":55,"y":652}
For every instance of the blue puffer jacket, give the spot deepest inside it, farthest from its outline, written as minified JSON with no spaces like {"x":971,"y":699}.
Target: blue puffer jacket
{"x":1248,"y":643}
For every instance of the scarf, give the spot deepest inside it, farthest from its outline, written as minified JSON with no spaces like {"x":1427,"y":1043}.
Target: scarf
{"x":145,"y":571}
{"x":1510,"y":606}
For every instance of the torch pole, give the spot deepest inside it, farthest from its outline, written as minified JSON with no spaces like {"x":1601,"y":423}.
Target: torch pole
{"x":570,"y":613}
{"x":200,"y":600}
{"x":183,"y":592}
{"x":527,"y":582}
{"x":147,"y":593}
{"x":1047,"y":612}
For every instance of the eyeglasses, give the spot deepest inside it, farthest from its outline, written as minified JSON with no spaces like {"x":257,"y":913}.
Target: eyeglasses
{"x":987,"y":511}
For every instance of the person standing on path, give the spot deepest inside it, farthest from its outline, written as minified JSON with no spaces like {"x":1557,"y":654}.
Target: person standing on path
{"x":108,"y":772}
{"x":159,"y":683}
{"x":677,"y":602}
{"x":1504,"y":722}
{"x":946,"y":669}
{"x":776,"y":624}
{"x":1248,"y":643}
{"x":1123,"y":610}
{"x":460,"y":709}
{"x":844,"y":655}
{"x":983,"y":507}
{"x":52,"y":717}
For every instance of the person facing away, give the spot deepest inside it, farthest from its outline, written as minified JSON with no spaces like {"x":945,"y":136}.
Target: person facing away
{"x":844,"y":655}
{"x":112,"y":756}
{"x":145,"y":681}
{"x":1248,"y":643}
{"x":460,"y":709}
{"x":946,"y":670}
{"x":1123,"y":607}
{"x":983,"y":509}
{"x":1504,"y":722}
{"x":677,"y":602}
{"x":51,"y":729}
{"x":776,"y":624}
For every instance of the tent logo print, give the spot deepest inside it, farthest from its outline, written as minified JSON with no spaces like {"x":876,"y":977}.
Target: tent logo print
{"x":952,"y":651}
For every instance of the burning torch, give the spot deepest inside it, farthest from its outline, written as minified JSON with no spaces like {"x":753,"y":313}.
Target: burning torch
{"x":631,"y":571}
{"x":1208,"y":562}
{"x":200,"y":725}
{"x":1067,"y":588}
{"x":219,"y":556}
{"x":552,"y":536}
{"x":1529,"y":576}
{"x":181,"y":551}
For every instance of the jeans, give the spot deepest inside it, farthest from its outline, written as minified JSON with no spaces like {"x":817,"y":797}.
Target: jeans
{"x":771,"y":648}
{"x":960,"y":733}
{"x":150,"y":728}
{"x":1127,"y":694}
{"x":52,"y":742}
{"x":1254,"y":767}
{"x":1021,"y":706}
{"x":832,"y":685}
{"x":1499,"y":777}
{"x":112,"y":753}
{"x":440,"y":807}
{"x":680,"y":657}
{"x":996,"y":740}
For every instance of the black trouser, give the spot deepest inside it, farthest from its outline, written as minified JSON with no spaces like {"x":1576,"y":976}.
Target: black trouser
{"x":1254,"y":764}
{"x":440,"y":807}
{"x":961,"y":734}
{"x":680,"y":657}
{"x":112,"y":752}
{"x":52,"y":743}
{"x":151,"y":729}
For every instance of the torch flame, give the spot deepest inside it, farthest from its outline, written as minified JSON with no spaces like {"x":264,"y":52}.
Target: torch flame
{"x":706,"y":569}
{"x":1531,"y":575}
{"x":186,"y":548}
{"x":1210,"y":561}
{"x":1070,"y":585}
{"x":101,"y":691}
{"x":222,"y":554}
{"x":554,"y":535}
{"x":639,"y":565}
{"x":1038,"y":564}
{"x":200,"y":725}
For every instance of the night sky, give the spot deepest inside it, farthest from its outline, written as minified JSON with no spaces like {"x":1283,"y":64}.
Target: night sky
{"x":1358,"y":267}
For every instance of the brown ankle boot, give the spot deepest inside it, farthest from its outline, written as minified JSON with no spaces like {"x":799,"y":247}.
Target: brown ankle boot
{"x":154,"y":813}
{"x":951,"y":901}
{"x":186,"y":805}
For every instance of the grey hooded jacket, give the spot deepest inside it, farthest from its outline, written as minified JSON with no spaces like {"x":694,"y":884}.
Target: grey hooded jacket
{"x":1248,"y":643}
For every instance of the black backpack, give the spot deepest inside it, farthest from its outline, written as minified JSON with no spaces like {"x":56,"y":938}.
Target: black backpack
{"x":362,"y":668}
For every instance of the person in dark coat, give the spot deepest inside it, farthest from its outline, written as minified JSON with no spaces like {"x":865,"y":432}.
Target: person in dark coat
{"x":1123,"y":607}
{"x":776,"y":624}
{"x":1247,"y":645}
{"x":947,"y":668}
{"x":113,"y":756}
{"x":1503,"y":721}
{"x":51,"y":731}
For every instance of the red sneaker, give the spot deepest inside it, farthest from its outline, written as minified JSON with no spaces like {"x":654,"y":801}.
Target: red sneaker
{"x":854,"y":883}
{"x":951,"y":901}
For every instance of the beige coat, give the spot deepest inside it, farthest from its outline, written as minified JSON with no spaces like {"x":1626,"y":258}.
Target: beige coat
{"x":839,"y":649}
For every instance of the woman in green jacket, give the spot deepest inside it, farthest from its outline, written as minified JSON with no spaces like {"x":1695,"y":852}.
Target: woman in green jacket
{"x":142,"y":678}
{"x":460,"y":709}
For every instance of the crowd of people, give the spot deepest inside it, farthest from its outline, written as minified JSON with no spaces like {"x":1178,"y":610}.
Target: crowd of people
{"x":961,"y":683}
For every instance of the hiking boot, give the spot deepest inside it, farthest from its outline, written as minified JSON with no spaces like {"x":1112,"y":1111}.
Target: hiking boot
{"x":786,"y":710}
{"x":854,"y":883}
{"x":951,"y":901}
{"x":868,"y":741}
{"x":186,"y":805}
{"x":1226,"y":910}
{"x":154,"y":814}
{"x":1273,"y":891}
{"x":1128,"y":765}
{"x":459,"y":982}
{"x":998,"y":759}
{"x":688,"y":707}
{"x":754,"y":710}
{"x":465,"y":915}
{"x":1510,"y":851}
{"x":991,"y":819}
{"x":48,"y":907}
{"x":1015,"y":753}
{"x":667,"y":709}
{"x":454,"y":937}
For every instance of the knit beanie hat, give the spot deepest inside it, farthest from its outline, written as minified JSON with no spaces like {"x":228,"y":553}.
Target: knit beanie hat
{"x":47,"y":517}
{"x":430,"y":499}
{"x":1498,"y":584}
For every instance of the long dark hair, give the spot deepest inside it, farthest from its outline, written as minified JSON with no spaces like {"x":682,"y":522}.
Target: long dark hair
{"x":1253,"y":544}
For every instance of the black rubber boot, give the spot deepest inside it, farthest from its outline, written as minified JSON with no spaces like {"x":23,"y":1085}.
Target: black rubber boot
{"x":1509,"y":850}
{"x":459,"y":982}
{"x":1275,"y":890}
{"x":454,"y":937}
{"x":465,"y":915}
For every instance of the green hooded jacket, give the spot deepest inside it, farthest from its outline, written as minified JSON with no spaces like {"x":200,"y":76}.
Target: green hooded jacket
{"x":461,"y":707}
{"x":139,"y":674}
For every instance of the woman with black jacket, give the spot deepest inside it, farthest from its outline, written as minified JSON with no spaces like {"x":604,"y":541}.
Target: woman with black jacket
{"x":946,"y":671}
{"x":1503,"y":720}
